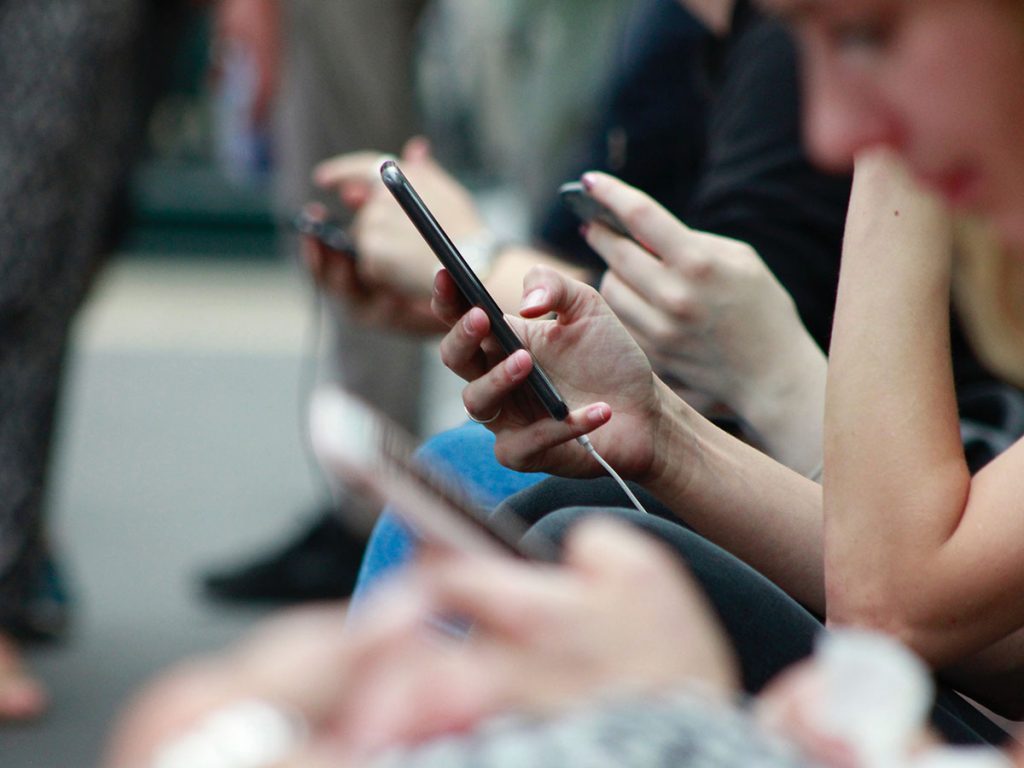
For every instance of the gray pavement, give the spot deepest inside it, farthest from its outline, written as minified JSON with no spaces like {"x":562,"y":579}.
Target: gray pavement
{"x":180,"y":447}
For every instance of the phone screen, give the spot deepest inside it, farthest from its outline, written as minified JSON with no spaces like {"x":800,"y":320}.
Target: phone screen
{"x":467,"y":281}
{"x":327,"y":231}
{"x":367,"y":453}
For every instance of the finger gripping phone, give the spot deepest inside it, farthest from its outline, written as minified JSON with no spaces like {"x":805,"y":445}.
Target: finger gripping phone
{"x":468,"y":283}
{"x":576,"y":198}
{"x":327,"y":231}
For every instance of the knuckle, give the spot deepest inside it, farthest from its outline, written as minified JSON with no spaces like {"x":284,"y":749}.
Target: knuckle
{"x":448,"y":356}
{"x":469,"y":402}
{"x":536,"y":434}
{"x":637,"y":215}
{"x":701,"y":268}
{"x":665,"y":338}
{"x":506,"y":455}
{"x":677,"y":301}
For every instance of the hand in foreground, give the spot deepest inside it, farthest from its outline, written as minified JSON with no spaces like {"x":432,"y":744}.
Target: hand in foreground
{"x":392,"y":253}
{"x":545,"y":639}
{"x":601,"y":373}
{"x":382,"y":307}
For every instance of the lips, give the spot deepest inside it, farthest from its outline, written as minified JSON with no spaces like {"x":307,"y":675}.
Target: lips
{"x":961,"y":188}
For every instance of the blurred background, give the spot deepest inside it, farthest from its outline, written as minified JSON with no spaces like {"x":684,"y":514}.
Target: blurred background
{"x":179,"y":443}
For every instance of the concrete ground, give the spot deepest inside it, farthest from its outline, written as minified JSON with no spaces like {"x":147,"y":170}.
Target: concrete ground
{"x":180,"y":447}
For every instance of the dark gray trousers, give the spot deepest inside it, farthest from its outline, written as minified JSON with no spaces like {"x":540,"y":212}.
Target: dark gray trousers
{"x":768,"y":628}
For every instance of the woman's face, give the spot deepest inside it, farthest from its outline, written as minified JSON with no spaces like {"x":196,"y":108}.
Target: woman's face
{"x":940,"y":81}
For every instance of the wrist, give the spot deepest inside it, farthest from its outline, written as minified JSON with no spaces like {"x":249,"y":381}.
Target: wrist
{"x":785,"y":406}
{"x":675,"y":446}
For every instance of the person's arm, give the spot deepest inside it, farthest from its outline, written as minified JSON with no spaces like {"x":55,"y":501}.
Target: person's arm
{"x":914,"y":545}
{"x":732,"y":493}
{"x":393,"y":255}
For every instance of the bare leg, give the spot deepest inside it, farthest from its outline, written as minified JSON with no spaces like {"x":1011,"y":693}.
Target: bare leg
{"x":22,"y":697}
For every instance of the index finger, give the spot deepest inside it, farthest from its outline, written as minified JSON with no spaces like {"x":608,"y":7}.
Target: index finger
{"x":657,"y":229}
{"x":635,"y":267}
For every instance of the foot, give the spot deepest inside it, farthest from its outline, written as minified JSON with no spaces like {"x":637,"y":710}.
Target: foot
{"x":22,"y":697}
{"x":321,"y":563}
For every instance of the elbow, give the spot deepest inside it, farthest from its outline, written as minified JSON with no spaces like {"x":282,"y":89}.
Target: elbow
{"x":875,"y":617}
{"x":878,"y":608}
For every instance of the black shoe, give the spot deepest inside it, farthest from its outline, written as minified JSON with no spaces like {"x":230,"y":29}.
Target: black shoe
{"x":46,"y":616}
{"x":320,"y":564}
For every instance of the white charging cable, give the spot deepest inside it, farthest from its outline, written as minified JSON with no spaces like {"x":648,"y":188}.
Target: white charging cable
{"x":585,"y":442}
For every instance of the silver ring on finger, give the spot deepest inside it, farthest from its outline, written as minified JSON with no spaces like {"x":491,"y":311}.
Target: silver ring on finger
{"x":481,"y":421}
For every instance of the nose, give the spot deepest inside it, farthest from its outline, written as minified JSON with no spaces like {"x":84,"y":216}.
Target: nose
{"x":843,"y":117}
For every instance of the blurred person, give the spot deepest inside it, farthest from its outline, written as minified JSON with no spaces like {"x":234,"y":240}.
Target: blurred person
{"x":729,"y":160}
{"x":555,"y":673}
{"x":391,"y":679}
{"x":693,"y":135}
{"x":73,"y":94}
{"x":509,"y":91}
{"x":991,"y":75}
{"x":479,"y":70}
{"x":330,"y":77}
{"x":914,"y":543}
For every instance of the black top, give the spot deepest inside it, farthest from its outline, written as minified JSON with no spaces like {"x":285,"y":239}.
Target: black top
{"x":711,"y":129}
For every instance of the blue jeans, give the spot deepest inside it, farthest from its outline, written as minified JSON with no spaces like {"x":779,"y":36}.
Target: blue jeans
{"x":467,"y":452}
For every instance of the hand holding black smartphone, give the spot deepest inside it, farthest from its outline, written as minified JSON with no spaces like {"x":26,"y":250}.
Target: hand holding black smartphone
{"x":327,"y":231}
{"x":468,"y":283}
{"x":576,"y":198}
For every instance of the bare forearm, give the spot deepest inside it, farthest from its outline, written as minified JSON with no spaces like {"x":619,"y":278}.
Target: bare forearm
{"x":746,"y":502}
{"x":787,"y":410}
{"x":896,"y":481}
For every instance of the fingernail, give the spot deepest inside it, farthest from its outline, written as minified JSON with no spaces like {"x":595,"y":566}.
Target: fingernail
{"x":467,"y":324}
{"x":598,"y":414}
{"x":588,"y":180}
{"x":534,"y":298}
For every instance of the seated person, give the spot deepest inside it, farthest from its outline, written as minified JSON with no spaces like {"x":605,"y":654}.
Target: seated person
{"x":751,"y":185}
{"x":914,"y":543}
{"x":720,"y":323}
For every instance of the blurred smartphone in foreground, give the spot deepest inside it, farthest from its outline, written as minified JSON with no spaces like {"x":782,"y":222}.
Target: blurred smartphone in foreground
{"x":363,"y":452}
{"x":327,"y":231}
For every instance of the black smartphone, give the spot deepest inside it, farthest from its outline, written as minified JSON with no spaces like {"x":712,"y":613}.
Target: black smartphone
{"x":363,"y":452}
{"x":467,"y":281}
{"x":327,"y":231}
{"x":576,"y":198}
